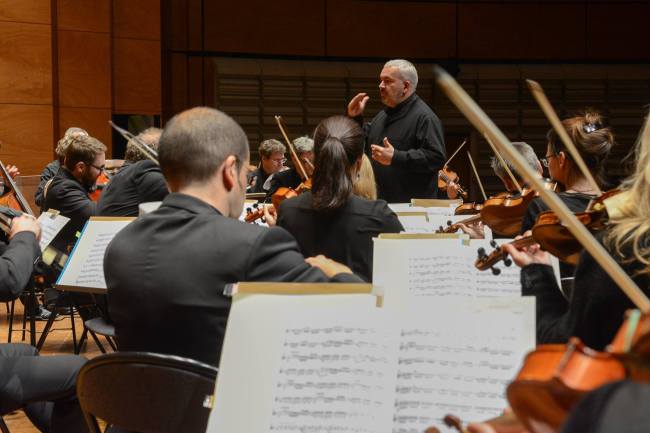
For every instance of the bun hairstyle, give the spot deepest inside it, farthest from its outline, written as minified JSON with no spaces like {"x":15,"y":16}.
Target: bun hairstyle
{"x":592,"y":138}
{"x":338,"y":144}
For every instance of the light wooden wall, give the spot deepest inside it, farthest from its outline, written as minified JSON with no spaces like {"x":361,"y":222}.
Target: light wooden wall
{"x":73,"y":63}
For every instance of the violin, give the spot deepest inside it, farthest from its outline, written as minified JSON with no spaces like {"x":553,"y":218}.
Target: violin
{"x":504,"y":213}
{"x":445,"y":176}
{"x":468,"y":209}
{"x":284,"y":193}
{"x":454,"y":227}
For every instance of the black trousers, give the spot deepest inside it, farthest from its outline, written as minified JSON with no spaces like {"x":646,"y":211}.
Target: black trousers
{"x":43,"y":386}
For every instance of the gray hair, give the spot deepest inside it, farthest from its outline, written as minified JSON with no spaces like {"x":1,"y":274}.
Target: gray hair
{"x":270,"y":146}
{"x":67,"y":138}
{"x":525,"y":150}
{"x":196,"y":142}
{"x":150,"y":137}
{"x":406,"y":70}
{"x":303,"y":144}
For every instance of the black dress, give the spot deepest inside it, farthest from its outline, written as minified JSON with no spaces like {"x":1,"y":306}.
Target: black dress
{"x":344,"y":235}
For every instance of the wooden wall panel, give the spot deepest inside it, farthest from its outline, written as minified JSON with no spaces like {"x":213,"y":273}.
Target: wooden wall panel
{"x":84,"y":69}
{"x":618,"y":32}
{"x":137,"y":83}
{"x":84,"y":15}
{"x":370,"y":29}
{"x":136,"y":19}
{"x":95,"y":121}
{"x":25,"y":63}
{"x":293,"y":27}
{"x":24,"y":11}
{"x":174,"y":21}
{"x":522,"y":31}
{"x":178,"y":95}
{"x":26,"y":136}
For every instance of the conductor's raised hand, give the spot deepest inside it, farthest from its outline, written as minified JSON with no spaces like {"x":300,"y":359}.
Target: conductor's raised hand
{"x":25,"y":223}
{"x":328,"y":266}
{"x":383,"y":154}
{"x":357,"y":104}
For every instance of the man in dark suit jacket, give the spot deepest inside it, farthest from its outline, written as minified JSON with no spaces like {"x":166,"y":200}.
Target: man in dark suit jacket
{"x":138,"y":181}
{"x":43,"y":387}
{"x":167,"y":270}
{"x":68,"y":190}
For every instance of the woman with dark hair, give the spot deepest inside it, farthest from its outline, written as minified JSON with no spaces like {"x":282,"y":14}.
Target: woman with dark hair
{"x":330,"y":219}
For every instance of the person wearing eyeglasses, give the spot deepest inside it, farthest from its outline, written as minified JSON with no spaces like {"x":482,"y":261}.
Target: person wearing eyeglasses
{"x":272,"y":161}
{"x":304,"y":147}
{"x":594,"y":142}
{"x":68,"y":191}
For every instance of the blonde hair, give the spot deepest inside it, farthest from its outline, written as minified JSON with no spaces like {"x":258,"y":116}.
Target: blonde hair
{"x":365,"y":185}
{"x":629,"y":229}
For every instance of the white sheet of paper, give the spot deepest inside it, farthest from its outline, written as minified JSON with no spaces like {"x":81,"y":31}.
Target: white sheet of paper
{"x":51,"y":225}
{"x":271,"y":366}
{"x":415,"y":223}
{"x":457,"y":357}
{"x":335,"y":363}
{"x":403,"y":269}
{"x":85,"y":267}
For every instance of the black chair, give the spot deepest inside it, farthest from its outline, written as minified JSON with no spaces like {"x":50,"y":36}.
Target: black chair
{"x":146,"y":392}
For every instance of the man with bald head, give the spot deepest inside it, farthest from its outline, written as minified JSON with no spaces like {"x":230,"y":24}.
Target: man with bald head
{"x":166,"y":271}
{"x":404,"y":140}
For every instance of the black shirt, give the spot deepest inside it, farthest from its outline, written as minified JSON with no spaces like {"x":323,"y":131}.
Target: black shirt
{"x":166,"y":273}
{"x":596,"y":308}
{"x":415,"y":132}
{"x":67,"y":195}
{"x":257,"y":179}
{"x":344,"y":235}
{"x":135,"y":183}
{"x":287,"y":179}
{"x":575,"y":201}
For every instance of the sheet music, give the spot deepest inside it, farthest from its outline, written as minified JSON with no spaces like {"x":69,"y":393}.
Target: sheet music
{"x":85,"y":267}
{"x":436,"y":267}
{"x":415,"y":223}
{"x":51,"y":225}
{"x":457,"y":358}
{"x":333,"y":377}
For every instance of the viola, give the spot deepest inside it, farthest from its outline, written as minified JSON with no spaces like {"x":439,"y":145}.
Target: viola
{"x":445,"y":176}
{"x":504,"y":214}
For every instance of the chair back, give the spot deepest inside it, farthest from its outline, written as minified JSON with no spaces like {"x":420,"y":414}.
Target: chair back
{"x":146,"y":392}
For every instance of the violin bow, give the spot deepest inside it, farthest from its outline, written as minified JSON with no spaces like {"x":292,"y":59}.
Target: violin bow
{"x":478,"y":179}
{"x":503,"y":163}
{"x":294,"y":155}
{"x":455,"y":152}
{"x":482,"y":122}
{"x":141,"y":145}
{"x":539,"y":95}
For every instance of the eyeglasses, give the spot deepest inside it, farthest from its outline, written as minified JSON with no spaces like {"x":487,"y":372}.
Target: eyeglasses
{"x":102,"y":168}
{"x":545,"y":161}
{"x":279,"y":161}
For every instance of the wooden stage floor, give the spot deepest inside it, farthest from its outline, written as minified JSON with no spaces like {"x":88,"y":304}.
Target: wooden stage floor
{"x":58,"y":342}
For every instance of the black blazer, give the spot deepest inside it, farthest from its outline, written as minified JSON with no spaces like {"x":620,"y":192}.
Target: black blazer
{"x":71,"y":199}
{"x":166,"y":273}
{"x":17,"y":264}
{"x":345,"y":235}
{"x":136,"y":183}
